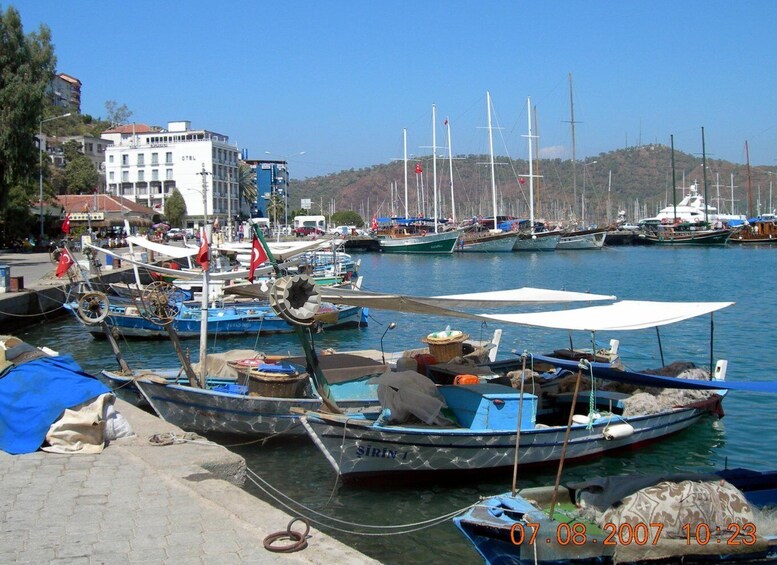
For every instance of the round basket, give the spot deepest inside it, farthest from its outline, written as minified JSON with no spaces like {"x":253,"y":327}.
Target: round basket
{"x":276,"y":385}
{"x":444,"y":350}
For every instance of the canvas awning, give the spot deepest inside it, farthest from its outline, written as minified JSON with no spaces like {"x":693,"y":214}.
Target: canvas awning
{"x":623,"y":315}
{"x":173,"y":251}
{"x":447,"y":305}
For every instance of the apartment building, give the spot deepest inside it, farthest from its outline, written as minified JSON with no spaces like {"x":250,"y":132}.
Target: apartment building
{"x":145,"y":163}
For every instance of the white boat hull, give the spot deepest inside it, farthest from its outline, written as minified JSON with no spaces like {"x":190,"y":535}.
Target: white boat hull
{"x":357,"y":449}
{"x":582,"y":241}
{"x":537,"y":242}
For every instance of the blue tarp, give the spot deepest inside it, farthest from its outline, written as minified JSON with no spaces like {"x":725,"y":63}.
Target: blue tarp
{"x":35,"y":394}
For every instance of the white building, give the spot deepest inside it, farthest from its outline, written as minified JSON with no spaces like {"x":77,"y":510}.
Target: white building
{"x":146,"y":163}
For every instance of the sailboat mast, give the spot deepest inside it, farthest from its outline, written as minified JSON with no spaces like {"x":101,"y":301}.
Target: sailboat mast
{"x":531,"y":167}
{"x":674,"y":180}
{"x":404,"y":143}
{"x":704,"y":165}
{"x":537,"y":157}
{"x":574,"y":156}
{"x":450,"y":167}
{"x":491,"y":152}
{"x":434,"y":161}
{"x":749,"y":183}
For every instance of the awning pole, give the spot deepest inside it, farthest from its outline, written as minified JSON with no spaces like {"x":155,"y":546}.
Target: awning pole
{"x":712,"y":343}
{"x":660,"y":348}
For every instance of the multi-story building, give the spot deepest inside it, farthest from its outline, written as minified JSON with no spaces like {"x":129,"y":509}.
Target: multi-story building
{"x":272,"y":178}
{"x":92,"y":147}
{"x":146,"y":163}
{"x":65,"y":92}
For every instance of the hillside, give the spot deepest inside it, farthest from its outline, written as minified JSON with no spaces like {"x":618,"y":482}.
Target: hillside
{"x":641,"y":185}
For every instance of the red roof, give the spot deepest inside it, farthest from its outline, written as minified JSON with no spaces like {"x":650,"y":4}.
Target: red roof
{"x":105,"y":203}
{"x":134,"y":128}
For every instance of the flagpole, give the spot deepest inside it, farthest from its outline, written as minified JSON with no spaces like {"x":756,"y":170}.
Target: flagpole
{"x":204,"y":308}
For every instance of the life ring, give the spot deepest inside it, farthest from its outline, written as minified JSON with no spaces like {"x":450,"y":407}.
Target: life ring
{"x":466,"y":380}
{"x":171,"y":265}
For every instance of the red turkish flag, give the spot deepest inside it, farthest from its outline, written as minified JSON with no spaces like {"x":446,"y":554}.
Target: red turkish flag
{"x":418,"y":168}
{"x":258,"y":256}
{"x":66,"y":224}
{"x":374,"y":225}
{"x":202,"y":254}
{"x":522,"y":180}
{"x":65,"y":262}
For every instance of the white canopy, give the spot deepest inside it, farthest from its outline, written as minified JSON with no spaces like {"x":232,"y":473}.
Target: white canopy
{"x":281,"y":250}
{"x":624,"y":315}
{"x":440,"y":305}
{"x":174,"y":251}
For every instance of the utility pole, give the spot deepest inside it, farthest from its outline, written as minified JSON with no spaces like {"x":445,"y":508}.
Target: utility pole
{"x":204,"y":174}
{"x":229,"y":205}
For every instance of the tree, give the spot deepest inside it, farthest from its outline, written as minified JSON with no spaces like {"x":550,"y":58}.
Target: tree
{"x":175,"y":209}
{"x":117,"y":115}
{"x":275,"y":209}
{"x":27,"y":64}
{"x":81,"y":177}
{"x":246,"y":182}
{"x":346,"y":218}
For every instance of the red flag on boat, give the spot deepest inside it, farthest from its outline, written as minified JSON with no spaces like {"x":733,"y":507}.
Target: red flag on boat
{"x":418,"y":168}
{"x":258,"y":256}
{"x":65,"y":262}
{"x":374,"y":225}
{"x":522,"y":180}
{"x":202,"y":254}
{"x":66,"y":224}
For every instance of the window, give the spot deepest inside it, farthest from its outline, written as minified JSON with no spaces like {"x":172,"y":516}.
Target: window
{"x":141,"y":159}
{"x":154,"y":174}
{"x":155,"y":158}
{"x":111,"y":176}
{"x":168,"y":174}
{"x":125,"y":160}
{"x":141,"y":176}
{"x":125,"y":176}
{"x":110,"y":158}
{"x":169,"y":157}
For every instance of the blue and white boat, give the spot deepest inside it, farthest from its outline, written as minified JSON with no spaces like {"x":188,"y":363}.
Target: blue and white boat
{"x":481,"y":427}
{"x":126,"y":319}
{"x":597,"y":521}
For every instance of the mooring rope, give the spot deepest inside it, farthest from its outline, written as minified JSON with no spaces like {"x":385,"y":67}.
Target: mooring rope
{"x":400,"y":529}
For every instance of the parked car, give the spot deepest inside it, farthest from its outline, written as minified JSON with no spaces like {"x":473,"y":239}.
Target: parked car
{"x":308,"y":230}
{"x":175,"y":234}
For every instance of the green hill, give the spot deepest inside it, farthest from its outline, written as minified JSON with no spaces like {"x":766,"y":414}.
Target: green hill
{"x":641,"y":185}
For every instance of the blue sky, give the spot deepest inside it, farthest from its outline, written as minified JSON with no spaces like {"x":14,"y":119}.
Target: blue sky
{"x":339,"y":80}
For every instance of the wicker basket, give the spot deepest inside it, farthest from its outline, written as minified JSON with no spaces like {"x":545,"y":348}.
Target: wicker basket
{"x":445,"y":350}
{"x":276,"y":385}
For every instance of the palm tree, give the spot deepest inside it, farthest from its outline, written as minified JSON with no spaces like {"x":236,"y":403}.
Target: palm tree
{"x":246,"y":182}
{"x":275,"y":208}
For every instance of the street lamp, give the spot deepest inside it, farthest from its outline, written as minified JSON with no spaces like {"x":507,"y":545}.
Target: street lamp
{"x":391,"y":326}
{"x":40,"y":167}
{"x":582,"y":198}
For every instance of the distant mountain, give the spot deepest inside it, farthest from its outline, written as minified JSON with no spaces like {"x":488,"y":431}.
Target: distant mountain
{"x":641,"y":185}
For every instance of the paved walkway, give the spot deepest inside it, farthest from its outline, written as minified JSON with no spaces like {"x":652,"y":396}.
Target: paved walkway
{"x":140,"y":503}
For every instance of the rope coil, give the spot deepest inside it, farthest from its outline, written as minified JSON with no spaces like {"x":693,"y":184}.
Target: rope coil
{"x":299,"y":540}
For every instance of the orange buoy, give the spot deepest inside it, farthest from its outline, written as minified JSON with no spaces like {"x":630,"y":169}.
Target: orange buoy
{"x":466,"y":380}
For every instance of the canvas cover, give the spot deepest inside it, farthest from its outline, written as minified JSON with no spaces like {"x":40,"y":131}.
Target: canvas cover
{"x":623,"y":315}
{"x":35,"y":394}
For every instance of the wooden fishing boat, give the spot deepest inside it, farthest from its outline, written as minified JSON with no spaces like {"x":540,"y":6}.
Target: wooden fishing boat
{"x":477,"y":428}
{"x":758,"y":231}
{"x":681,"y":236}
{"x":596,"y":521}
{"x":414,"y":239}
{"x":253,"y":318}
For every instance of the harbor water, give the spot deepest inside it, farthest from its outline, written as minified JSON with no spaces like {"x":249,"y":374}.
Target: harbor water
{"x":744,"y":334}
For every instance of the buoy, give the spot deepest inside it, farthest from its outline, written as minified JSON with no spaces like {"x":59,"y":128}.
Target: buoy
{"x":466,"y":380}
{"x":617,"y":431}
